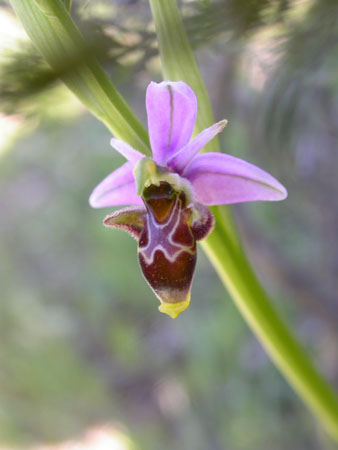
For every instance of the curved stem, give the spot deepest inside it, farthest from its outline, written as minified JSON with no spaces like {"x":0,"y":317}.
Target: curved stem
{"x":251,"y":299}
{"x":226,"y":253}
{"x":51,"y":29}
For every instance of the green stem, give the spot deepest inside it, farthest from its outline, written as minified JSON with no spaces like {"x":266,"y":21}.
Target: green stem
{"x":179,"y":63}
{"x":51,"y":29}
{"x":237,"y":275}
{"x":225,"y":252}
{"x":68,"y":4}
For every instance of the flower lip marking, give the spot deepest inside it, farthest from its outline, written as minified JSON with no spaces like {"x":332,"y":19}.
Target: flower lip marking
{"x":161,"y":229}
{"x":167,"y":247}
{"x":175,"y":187}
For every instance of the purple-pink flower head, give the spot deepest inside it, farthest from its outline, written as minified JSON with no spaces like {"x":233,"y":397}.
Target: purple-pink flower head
{"x":171,"y":190}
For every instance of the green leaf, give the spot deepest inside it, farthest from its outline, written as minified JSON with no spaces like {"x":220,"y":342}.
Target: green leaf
{"x":227,"y":255}
{"x":52,"y":30}
{"x":178,"y":61}
{"x":68,"y":4}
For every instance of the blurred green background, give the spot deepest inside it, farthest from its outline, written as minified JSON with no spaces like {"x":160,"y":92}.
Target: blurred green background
{"x":82,"y":343}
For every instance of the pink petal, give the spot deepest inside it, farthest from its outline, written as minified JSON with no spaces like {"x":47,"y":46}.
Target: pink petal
{"x":183,"y":157}
{"x":220,"y":179}
{"x":116,"y":189}
{"x":172,"y":109}
{"x":128,"y":152}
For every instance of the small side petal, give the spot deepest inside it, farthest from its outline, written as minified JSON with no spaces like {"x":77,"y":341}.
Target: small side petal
{"x":128,"y":152}
{"x":203,"y":222}
{"x":129,"y":219}
{"x":220,"y":179}
{"x":183,"y":157}
{"x":171,"y":109}
{"x":116,"y":189}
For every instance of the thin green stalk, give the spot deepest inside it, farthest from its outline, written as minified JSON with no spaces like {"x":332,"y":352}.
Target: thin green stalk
{"x":251,"y":299}
{"x":179,"y":63}
{"x":227,"y":256}
{"x":51,"y":29}
{"x":68,"y":4}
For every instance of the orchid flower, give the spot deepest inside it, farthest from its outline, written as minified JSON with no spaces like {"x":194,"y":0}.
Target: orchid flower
{"x":169,"y":193}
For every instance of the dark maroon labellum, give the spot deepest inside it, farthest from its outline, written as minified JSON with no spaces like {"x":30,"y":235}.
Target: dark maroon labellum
{"x":167,"y":247}
{"x":167,"y":231}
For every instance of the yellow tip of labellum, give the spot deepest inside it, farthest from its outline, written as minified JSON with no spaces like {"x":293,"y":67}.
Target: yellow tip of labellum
{"x":174,"y":309}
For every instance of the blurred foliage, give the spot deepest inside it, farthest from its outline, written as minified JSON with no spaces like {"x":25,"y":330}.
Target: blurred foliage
{"x":124,"y":46}
{"x":82,"y":342}
{"x":305,"y":78}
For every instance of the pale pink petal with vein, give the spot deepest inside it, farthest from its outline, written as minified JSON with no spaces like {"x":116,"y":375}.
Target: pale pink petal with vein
{"x":171,"y":109}
{"x":221,"y":179}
